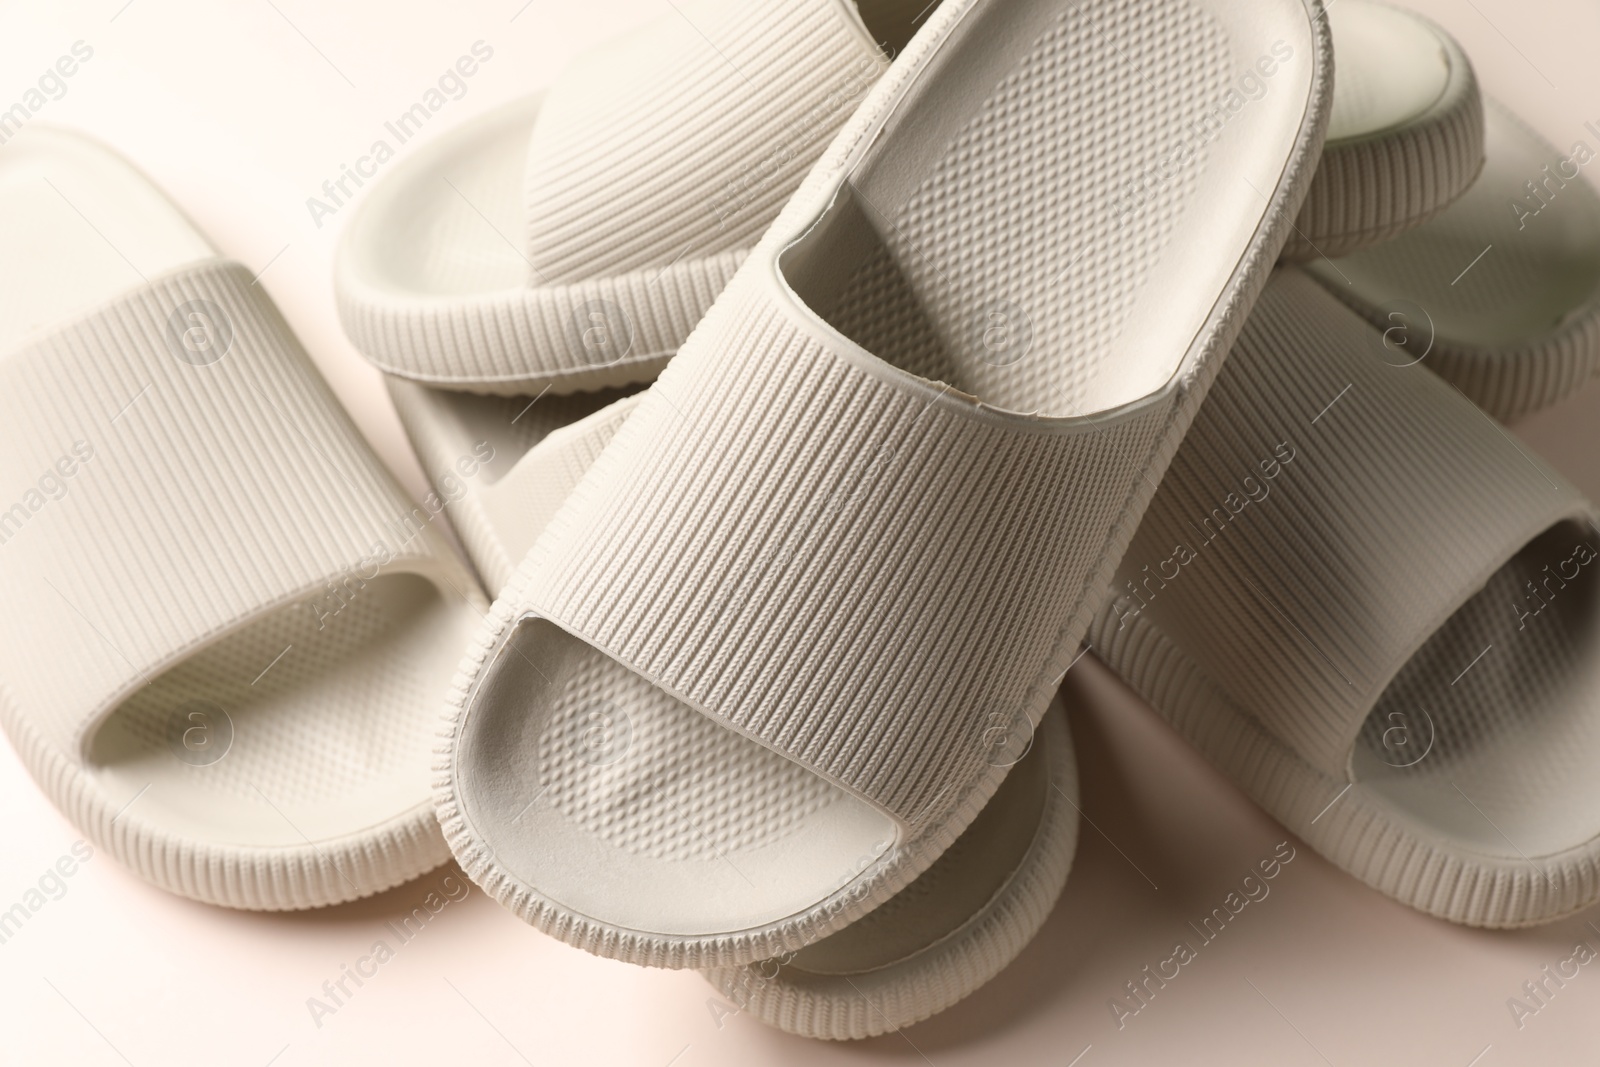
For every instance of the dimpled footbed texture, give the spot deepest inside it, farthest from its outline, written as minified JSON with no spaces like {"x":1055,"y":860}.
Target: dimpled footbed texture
{"x":1499,"y":751}
{"x":1019,"y":251}
{"x":329,"y":710}
{"x":619,"y":774}
{"x":613,"y":770}
{"x":927,"y":299}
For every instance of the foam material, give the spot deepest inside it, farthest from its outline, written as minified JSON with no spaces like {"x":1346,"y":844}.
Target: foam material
{"x":1405,"y":139}
{"x":573,"y":239}
{"x":845,"y":564}
{"x":255,"y":633}
{"x":1377,"y":614}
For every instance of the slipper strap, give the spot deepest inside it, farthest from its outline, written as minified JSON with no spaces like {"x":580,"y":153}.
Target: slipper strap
{"x":1324,"y":517}
{"x":654,"y":165}
{"x":172,"y":466}
{"x":853,"y":566}
{"x":689,"y":135}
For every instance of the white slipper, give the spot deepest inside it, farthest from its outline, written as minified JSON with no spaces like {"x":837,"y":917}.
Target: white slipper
{"x":1378,"y":615}
{"x":1499,"y":294}
{"x":573,"y":239}
{"x":935,"y":942}
{"x":1406,"y":135}
{"x":771,"y":597}
{"x":1392,"y":167}
{"x":225,"y":636}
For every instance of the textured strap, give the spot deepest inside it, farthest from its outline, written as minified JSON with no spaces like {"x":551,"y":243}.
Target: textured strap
{"x":846,"y":562}
{"x":171,"y":466}
{"x":849,"y":565}
{"x":1323,"y":518}
{"x":689,"y":134}
{"x":1370,"y":188}
{"x":653,"y":166}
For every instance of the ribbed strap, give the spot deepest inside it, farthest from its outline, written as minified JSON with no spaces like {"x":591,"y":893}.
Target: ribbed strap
{"x":173,"y":466}
{"x":1369,"y":189}
{"x":689,"y":134}
{"x":1287,"y":553}
{"x":654,"y":165}
{"x":847,"y":564}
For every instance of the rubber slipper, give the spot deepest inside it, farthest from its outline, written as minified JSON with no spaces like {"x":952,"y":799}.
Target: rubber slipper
{"x":1500,"y":294}
{"x":1405,"y":138}
{"x":1391,"y":167}
{"x":573,"y":239}
{"x":771,"y":591}
{"x":935,"y":942}
{"x":257,"y":630}
{"x":1376,"y":614}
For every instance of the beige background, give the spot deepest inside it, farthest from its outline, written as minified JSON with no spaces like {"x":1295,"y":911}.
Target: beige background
{"x":240,"y":110}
